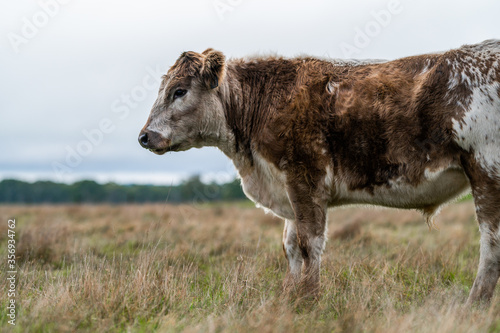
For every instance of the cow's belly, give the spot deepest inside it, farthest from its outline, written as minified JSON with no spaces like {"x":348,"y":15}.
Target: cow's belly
{"x":435,"y":189}
{"x":266,"y":186}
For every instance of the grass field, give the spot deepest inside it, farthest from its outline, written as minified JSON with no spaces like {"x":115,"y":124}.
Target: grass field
{"x":214,"y":268}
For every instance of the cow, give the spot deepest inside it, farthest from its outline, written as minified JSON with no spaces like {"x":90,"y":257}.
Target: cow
{"x":306,"y":134}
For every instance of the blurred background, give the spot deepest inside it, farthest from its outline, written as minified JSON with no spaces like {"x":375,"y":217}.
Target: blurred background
{"x":78,"y":78}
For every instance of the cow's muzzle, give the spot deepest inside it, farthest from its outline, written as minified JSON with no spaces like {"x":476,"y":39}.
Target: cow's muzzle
{"x":144,"y":139}
{"x":154,"y":142}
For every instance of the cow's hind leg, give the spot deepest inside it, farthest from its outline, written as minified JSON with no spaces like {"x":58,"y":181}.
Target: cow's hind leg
{"x":486,"y":192}
{"x":489,"y":264}
{"x":292,"y":254}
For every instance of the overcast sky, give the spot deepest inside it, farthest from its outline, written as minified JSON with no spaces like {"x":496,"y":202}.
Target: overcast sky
{"x":71,"y":69}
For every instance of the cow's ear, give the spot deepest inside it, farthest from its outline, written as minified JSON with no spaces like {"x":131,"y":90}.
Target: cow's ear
{"x":213,"y":68}
{"x":207,"y":51}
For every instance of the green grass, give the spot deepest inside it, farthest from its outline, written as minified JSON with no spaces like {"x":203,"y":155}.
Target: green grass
{"x":156,"y":268}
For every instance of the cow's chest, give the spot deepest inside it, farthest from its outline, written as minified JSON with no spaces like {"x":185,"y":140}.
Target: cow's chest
{"x":265,"y":185}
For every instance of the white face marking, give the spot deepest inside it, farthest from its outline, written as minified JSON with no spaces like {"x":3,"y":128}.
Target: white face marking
{"x":193,"y":120}
{"x":161,"y":116}
{"x":155,"y":126}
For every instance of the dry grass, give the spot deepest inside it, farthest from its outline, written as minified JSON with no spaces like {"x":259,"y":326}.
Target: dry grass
{"x":219,"y":268}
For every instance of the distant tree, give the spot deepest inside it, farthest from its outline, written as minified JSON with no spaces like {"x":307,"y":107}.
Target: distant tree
{"x":88,"y":191}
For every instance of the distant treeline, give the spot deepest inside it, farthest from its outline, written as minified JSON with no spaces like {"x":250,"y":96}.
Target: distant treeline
{"x":87,"y":191}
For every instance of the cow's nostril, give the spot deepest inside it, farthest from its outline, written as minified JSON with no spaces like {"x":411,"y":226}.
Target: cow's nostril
{"x":143,"y":140}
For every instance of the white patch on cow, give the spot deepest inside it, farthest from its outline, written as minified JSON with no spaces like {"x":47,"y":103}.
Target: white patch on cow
{"x":489,"y":44}
{"x":425,"y":69}
{"x":428,"y":66}
{"x":354,"y":62}
{"x":266,"y":186}
{"x":454,"y":81}
{"x":489,"y":263}
{"x":208,"y":117}
{"x":466,"y":79}
{"x":316,"y":247}
{"x":479,"y":129}
{"x":436,"y":188}
{"x":432,"y":174}
{"x":332,"y":87}
{"x":488,"y":254}
{"x":290,"y":243}
{"x":470,"y":69}
{"x":164,"y":131}
{"x":485,"y":252}
{"x":328,"y":183}
{"x":160,"y":117}
{"x":329,"y":176}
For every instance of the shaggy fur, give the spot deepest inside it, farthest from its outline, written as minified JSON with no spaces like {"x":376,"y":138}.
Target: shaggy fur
{"x":306,"y":134}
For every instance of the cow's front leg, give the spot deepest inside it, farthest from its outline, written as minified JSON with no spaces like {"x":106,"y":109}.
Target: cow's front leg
{"x":311,"y":243}
{"x":292,"y":254}
{"x":310,"y":223}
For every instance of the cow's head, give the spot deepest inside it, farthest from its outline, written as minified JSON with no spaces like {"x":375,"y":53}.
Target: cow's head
{"x":187,"y":112}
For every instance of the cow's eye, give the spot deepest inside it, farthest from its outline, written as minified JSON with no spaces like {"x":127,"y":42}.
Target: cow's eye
{"x":179,"y":93}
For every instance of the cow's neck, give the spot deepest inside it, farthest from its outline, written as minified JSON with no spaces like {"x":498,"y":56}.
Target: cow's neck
{"x":251,"y":93}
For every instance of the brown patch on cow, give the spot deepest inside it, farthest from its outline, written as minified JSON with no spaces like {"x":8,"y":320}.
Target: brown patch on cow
{"x":289,"y":119}
{"x":213,"y":68}
{"x":189,"y":64}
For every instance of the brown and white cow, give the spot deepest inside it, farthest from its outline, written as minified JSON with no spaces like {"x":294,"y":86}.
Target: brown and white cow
{"x":306,"y":134}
